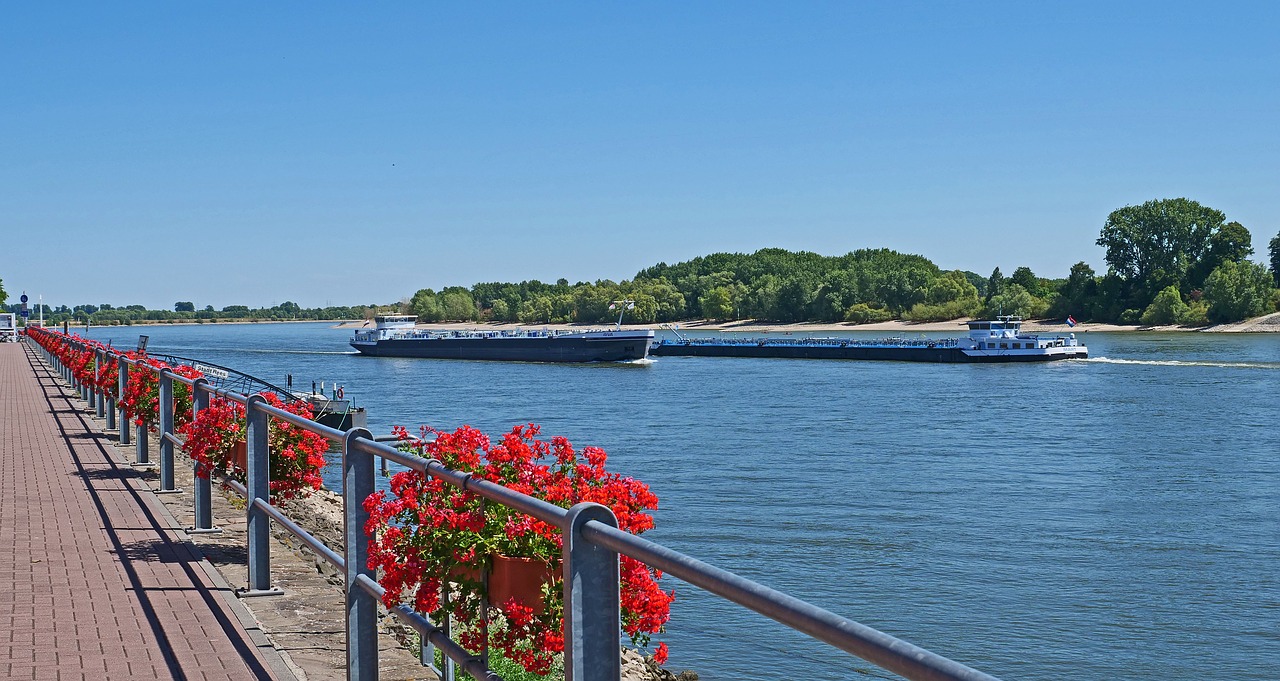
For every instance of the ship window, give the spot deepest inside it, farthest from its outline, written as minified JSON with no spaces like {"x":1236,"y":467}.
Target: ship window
{"x":1004,"y":346}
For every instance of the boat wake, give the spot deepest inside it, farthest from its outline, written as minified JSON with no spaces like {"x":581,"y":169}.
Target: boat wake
{"x":1185,"y":363}
{"x":252,"y":351}
{"x":639,"y":362}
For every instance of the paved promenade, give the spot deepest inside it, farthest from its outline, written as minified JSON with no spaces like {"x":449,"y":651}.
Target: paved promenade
{"x":94,"y":581}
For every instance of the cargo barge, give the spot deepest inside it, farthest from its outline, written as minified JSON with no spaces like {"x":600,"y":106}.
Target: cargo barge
{"x":397,"y":336}
{"x":998,"y":340}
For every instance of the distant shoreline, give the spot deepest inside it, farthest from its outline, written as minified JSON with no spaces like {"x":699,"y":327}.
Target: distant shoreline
{"x":161,"y":322}
{"x":1265,"y":324}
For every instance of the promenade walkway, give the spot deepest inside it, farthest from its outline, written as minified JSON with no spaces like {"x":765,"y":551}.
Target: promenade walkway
{"x":94,"y":580}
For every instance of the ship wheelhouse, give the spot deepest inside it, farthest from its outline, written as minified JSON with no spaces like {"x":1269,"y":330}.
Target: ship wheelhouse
{"x":1004,"y":335}
{"x":385,"y":327}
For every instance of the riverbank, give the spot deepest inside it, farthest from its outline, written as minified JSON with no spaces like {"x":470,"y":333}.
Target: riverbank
{"x":1264,"y":324}
{"x":201,"y":322}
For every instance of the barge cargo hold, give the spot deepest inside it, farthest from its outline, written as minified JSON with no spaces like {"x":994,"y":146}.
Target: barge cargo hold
{"x":396,"y":336}
{"x":999,"y":340}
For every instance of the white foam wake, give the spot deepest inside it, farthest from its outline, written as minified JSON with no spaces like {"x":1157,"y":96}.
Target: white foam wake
{"x":1185,"y":363}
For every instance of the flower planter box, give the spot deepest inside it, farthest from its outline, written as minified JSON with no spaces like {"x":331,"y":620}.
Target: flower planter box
{"x":511,"y":578}
{"x":520,"y":579}
{"x":240,"y":455}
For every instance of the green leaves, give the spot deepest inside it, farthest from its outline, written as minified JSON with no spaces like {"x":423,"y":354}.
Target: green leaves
{"x":1237,"y":291}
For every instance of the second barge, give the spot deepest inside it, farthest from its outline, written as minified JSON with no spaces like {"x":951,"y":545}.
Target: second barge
{"x":998,"y":340}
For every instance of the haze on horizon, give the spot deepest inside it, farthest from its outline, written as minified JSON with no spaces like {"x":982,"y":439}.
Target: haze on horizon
{"x":331,"y":154}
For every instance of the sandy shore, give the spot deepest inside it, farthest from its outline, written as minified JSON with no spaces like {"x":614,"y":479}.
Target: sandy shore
{"x":1267,"y":323}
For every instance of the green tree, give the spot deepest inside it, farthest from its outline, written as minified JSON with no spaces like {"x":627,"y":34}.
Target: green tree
{"x":1237,"y":290}
{"x":1275,"y":262}
{"x":457,"y":304}
{"x":1077,"y":294}
{"x":591,"y":302}
{"x":1024,"y":277}
{"x":795,"y":296}
{"x":1167,"y":308}
{"x":668,"y":301}
{"x":950,"y":296}
{"x":1016,"y":300}
{"x":536,"y":310}
{"x":181,"y":306}
{"x":1231,"y":243}
{"x":1161,"y":242}
{"x":3,"y":296}
{"x":426,"y":305}
{"x":995,"y":285}
{"x":717,"y":303}
{"x":979,"y":282}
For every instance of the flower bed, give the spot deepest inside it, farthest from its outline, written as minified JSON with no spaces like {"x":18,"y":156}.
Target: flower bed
{"x":296,"y":455}
{"x":426,"y":533}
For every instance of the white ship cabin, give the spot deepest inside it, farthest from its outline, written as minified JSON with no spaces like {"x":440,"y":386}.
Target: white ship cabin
{"x":1004,"y":335}
{"x":395,"y":321}
{"x":387,"y":326}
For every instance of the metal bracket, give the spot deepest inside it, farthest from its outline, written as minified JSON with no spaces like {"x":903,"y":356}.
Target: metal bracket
{"x":255,"y":593}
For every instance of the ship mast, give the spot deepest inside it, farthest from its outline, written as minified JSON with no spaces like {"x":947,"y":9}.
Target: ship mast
{"x":622,"y":306}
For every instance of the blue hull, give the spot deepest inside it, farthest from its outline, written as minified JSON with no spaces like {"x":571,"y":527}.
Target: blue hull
{"x":905,"y":353}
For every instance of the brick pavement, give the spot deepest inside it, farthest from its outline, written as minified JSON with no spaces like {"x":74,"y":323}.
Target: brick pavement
{"x":94,"y":583}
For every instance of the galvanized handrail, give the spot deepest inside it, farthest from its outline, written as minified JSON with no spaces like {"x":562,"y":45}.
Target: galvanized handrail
{"x":591,"y":549}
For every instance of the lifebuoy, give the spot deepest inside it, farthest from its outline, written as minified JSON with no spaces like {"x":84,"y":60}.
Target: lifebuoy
{"x":339,"y":393}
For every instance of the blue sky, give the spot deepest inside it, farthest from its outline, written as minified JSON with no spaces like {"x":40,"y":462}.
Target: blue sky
{"x":332,"y":153}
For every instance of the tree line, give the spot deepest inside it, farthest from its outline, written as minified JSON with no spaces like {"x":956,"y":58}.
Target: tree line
{"x":108,"y":315}
{"x":1169,"y":261}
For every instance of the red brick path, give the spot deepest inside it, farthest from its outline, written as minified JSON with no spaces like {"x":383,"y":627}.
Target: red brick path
{"x":94,"y":582}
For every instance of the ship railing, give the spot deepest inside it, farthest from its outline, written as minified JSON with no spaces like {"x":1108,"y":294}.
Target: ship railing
{"x":592,"y":546}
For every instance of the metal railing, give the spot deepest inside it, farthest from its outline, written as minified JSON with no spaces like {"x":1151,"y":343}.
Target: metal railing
{"x":592,"y":544}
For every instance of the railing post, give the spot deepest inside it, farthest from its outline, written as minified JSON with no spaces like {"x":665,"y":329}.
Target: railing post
{"x":110,"y":407}
{"x":91,"y":388}
{"x":141,"y":450}
{"x":141,"y":447}
{"x":258,"y":486}
{"x":592,"y":614}
{"x":166,"y":429}
{"x":362,"y":608}
{"x":122,"y":384}
{"x":203,"y":510}
{"x":99,"y":394}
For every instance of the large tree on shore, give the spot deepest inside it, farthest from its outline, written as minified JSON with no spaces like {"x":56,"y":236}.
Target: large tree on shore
{"x":1275,"y":263}
{"x":1168,"y":242}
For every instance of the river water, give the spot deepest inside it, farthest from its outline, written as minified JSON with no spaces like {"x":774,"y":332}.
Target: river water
{"x":1116,"y":517}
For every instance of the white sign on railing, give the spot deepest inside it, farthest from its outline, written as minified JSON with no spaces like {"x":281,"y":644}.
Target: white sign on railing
{"x":211,"y":371}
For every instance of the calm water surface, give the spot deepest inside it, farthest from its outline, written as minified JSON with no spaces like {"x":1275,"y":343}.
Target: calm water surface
{"x":1117,"y":517}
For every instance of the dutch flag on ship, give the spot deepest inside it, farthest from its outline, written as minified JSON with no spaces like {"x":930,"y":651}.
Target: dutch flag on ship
{"x":1071,"y":321}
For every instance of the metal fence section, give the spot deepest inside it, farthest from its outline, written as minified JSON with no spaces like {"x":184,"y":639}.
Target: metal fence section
{"x":592,"y":544}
